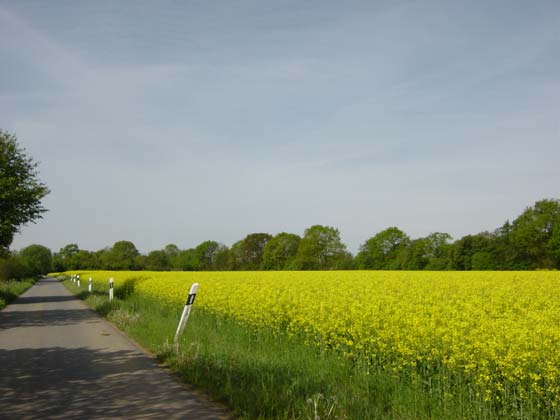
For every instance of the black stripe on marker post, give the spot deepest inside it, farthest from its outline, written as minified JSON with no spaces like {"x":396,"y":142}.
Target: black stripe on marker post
{"x":190,"y":299}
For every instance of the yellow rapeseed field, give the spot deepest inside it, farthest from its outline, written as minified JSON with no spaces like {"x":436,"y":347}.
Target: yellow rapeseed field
{"x":499,"y":332}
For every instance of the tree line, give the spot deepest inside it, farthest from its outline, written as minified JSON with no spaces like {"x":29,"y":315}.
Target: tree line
{"x":531,"y":241}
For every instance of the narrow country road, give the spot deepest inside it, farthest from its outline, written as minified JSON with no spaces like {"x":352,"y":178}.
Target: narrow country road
{"x":60,"y":360}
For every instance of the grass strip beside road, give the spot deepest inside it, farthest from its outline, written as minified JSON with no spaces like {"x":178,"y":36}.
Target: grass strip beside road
{"x":11,"y":289}
{"x":266,"y":375}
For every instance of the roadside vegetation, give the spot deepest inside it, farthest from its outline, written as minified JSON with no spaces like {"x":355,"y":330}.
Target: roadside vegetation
{"x":11,"y":289}
{"x":19,"y":271}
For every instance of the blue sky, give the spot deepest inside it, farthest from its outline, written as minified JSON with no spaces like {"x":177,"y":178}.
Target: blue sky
{"x":178,"y":122}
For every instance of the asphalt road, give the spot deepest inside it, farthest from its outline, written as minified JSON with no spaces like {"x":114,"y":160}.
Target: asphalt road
{"x":60,"y":360}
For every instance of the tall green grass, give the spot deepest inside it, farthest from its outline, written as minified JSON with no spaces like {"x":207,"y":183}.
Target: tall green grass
{"x":11,"y":289}
{"x":266,"y":375}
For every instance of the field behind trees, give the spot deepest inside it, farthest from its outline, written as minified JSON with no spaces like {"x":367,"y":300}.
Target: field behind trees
{"x":482,"y":344}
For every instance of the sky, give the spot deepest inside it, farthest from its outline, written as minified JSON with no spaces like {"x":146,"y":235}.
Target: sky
{"x":183,"y":121}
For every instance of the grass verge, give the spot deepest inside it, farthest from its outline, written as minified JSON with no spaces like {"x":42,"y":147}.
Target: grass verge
{"x":266,"y":375}
{"x":11,"y":289}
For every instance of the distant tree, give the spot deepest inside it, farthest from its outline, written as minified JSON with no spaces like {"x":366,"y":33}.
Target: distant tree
{"x":36,"y":260}
{"x":71,"y":257}
{"x":387,"y":250}
{"x":553,"y":246}
{"x":69,"y":251}
{"x":235,"y":259}
{"x":122,"y":256}
{"x":57,"y":263}
{"x":211,"y":255}
{"x":186,"y":260}
{"x":63,"y":259}
{"x":21,"y":191}
{"x":140,"y":262}
{"x":321,"y":249}
{"x":247,"y":254}
{"x":220,"y":258}
{"x":101,"y":259}
{"x":84,"y":260}
{"x":157,"y":261}
{"x":416,"y":255}
{"x":507,"y":256}
{"x":172,"y":252}
{"x":280,"y":251}
{"x":474,"y":252}
{"x":429,"y":253}
{"x":534,"y":234}
{"x":11,"y":267}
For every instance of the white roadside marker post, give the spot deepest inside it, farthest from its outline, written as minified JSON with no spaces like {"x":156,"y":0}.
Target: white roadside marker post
{"x":111,"y":289}
{"x":185,"y":314}
{"x":89,"y":285}
{"x":78,"y":279}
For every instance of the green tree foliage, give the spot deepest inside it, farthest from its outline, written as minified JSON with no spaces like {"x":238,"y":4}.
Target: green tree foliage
{"x":437,"y":251}
{"x":235,"y":260}
{"x":280,"y":251}
{"x":531,"y":241}
{"x":553,"y":246}
{"x":172,"y":251}
{"x":247,"y":254}
{"x":535,"y":234}
{"x":36,"y":260}
{"x":487,"y":251}
{"x":71,"y":257}
{"x":211,"y":255}
{"x":21,"y":191}
{"x":157,"y":261}
{"x":186,"y":260}
{"x":387,"y":250}
{"x":122,"y":256}
{"x":11,"y":267}
{"x":474,"y":252}
{"x":321,"y":249}
{"x":100,"y":257}
{"x":428,"y":253}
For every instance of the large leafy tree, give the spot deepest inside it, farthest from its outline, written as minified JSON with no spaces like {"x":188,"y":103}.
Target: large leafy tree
{"x":428,"y":253}
{"x":211,"y":255}
{"x":157,"y":261}
{"x":474,"y":252}
{"x":186,"y":260}
{"x":536,"y":234}
{"x":280,"y":251}
{"x":65,"y":259}
{"x":122,"y":256}
{"x":36,"y":259}
{"x":321,"y":249}
{"x":21,"y":191}
{"x":247,"y":254}
{"x":384,"y":251}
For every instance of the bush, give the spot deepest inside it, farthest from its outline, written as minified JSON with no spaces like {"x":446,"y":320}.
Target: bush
{"x":11,"y":268}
